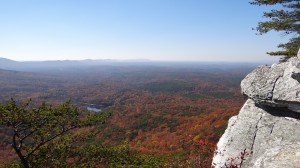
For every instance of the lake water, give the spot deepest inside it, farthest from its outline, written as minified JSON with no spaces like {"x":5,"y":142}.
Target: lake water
{"x":93,"y":109}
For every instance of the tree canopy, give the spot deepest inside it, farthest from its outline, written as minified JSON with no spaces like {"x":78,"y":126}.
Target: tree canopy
{"x":61,"y":136}
{"x":285,"y":20}
{"x":35,"y":128}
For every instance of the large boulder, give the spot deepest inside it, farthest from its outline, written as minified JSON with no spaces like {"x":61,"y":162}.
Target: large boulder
{"x":260,"y":137}
{"x":276,"y":86}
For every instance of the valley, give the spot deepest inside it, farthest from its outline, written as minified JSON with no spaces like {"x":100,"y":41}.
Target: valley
{"x":158,"y":108}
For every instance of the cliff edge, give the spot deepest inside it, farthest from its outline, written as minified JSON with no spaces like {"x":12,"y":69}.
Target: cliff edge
{"x":266,"y":132}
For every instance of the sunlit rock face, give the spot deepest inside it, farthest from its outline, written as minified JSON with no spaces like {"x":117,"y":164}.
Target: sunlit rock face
{"x":276,"y":86}
{"x":266,"y":132}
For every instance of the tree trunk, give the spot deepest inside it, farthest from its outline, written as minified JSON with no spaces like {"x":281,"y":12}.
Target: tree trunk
{"x":18,"y":150}
{"x":22,"y":158}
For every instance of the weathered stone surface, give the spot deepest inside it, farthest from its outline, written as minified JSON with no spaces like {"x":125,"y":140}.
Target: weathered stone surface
{"x":277,"y":86}
{"x":272,"y":134}
{"x":266,"y":133}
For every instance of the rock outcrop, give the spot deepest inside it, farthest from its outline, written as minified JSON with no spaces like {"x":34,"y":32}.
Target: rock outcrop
{"x":276,"y":86}
{"x":266,"y":132}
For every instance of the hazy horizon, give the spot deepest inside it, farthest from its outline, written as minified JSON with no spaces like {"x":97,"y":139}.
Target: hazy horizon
{"x":146,"y":60}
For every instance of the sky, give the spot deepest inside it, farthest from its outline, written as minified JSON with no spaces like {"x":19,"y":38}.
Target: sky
{"x":164,"y":30}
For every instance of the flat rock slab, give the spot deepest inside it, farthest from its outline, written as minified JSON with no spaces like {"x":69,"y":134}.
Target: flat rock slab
{"x":260,"y":137}
{"x":276,"y":86}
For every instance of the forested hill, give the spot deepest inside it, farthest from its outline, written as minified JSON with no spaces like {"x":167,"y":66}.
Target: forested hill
{"x":158,"y":107}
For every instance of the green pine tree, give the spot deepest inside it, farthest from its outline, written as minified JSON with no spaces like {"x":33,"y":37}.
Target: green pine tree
{"x":286,"y":20}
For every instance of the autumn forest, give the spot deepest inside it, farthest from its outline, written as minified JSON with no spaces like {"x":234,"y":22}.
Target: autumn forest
{"x":165,"y":110}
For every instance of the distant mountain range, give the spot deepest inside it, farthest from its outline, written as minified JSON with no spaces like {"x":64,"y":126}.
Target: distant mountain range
{"x":79,"y":65}
{"x":38,"y":65}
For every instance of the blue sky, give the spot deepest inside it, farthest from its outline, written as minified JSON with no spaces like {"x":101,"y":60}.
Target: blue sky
{"x":176,"y":30}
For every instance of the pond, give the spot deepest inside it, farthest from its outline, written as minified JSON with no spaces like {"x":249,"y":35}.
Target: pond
{"x":93,"y":109}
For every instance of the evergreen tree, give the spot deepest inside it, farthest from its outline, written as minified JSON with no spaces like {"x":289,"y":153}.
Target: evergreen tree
{"x":286,"y":20}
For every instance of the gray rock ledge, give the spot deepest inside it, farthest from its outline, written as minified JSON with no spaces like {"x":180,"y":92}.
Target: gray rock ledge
{"x":276,"y":86}
{"x":272,"y":134}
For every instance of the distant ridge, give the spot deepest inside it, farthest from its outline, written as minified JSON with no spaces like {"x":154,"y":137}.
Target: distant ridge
{"x":5,"y":60}
{"x":8,"y":64}
{"x":58,"y":66}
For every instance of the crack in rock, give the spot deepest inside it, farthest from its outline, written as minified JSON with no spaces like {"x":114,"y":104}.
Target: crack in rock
{"x":272,"y":129}
{"x":273,"y":88}
{"x":255,"y":132}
